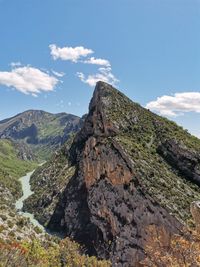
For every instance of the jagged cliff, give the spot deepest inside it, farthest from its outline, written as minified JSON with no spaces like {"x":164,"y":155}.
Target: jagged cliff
{"x":132,"y":170}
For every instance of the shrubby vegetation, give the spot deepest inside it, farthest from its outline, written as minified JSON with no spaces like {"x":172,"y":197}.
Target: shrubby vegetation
{"x":64,"y":253}
{"x":41,"y":251}
{"x":141,"y":133}
{"x":179,"y":251}
{"x":54,"y":174}
{"x":11,"y":167}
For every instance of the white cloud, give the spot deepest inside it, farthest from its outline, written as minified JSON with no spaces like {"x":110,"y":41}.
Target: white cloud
{"x":81,"y":76}
{"x":58,"y":74}
{"x":97,"y":61}
{"x":177,"y":104}
{"x":104,"y":75}
{"x":28,"y":80}
{"x":69,"y":53}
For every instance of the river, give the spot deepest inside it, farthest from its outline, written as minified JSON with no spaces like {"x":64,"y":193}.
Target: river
{"x":26,"y":189}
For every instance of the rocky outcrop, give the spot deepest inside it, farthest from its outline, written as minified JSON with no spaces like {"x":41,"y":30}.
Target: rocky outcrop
{"x":187,"y":161}
{"x":133,"y":173}
{"x":104,"y":206}
{"x":24,"y":152}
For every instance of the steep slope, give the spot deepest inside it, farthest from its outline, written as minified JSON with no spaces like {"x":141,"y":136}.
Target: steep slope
{"x":39,"y":133}
{"x":11,"y":168}
{"x":132,"y":170}
{"x":49,"y":180}
{"x":21,"y":242}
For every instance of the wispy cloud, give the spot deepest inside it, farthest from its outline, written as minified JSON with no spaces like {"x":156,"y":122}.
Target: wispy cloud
{"x":28,"y":80}
{"x":104,"y":74}
{"x":97,"y":61}
{"x":58,"y":74}
{"x":177,"y":104}
{"x":69,"y":53}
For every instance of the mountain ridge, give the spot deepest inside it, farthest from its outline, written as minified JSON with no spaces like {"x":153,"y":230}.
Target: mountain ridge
{"x":39,"y":131}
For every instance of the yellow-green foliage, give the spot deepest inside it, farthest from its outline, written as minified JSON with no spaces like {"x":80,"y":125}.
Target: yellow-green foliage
{"x":64,"y":253}
{"x":11,"y":167}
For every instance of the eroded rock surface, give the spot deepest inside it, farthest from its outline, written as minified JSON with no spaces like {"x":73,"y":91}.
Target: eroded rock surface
{"x":133,"y":171}
{"x":104,"y":206}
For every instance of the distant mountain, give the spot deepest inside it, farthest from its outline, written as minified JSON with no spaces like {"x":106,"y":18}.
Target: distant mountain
{"x":127,"y":175}
{"x":39,"y":133}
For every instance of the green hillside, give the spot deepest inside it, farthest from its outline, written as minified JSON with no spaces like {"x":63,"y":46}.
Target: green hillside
{"x":165,"y":156}
{"x":39,"y":133}
{"x":12,"y":167}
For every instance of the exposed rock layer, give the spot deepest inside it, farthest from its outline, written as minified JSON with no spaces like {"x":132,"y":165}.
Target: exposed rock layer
{"x":178,"y":156}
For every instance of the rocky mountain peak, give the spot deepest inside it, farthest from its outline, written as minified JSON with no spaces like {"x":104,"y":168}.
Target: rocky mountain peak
{"x":96,"y":124}
{"x":127,"y":179}
{"x":103,"y":93}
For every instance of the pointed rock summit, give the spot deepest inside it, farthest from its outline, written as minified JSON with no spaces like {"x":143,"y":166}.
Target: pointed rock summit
{"x":134,"y":172}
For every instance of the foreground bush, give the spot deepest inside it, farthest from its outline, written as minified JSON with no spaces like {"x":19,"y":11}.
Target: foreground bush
{"x":178,"y":251}
{"x":65,"y":253}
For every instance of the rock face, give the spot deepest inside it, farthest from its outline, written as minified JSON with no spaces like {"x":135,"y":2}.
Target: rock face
{"x":38,"y":133}
{"x":127,"y":177}
{"x":186,"y":161}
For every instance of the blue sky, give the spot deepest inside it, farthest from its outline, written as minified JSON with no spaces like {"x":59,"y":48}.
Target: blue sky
{"x":147,"y":48}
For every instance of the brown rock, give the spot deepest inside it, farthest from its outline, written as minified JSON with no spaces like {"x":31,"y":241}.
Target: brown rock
{"x":195,"y":210}
{"x":104,"y":206}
